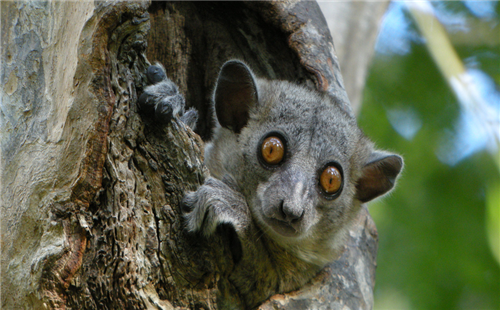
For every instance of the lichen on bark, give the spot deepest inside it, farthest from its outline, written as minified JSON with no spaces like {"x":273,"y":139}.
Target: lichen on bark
{"x":91,"y":191}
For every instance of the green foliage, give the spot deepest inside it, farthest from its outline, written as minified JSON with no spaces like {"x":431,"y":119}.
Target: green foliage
{"x":493,"y":218}
{"x":433,"y":251}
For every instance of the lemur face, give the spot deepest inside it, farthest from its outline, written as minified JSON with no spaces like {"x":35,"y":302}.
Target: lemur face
{"x":300,"y":160}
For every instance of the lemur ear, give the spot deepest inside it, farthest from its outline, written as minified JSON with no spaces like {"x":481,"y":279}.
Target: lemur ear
{"x":379,"y":175}
{"x":235,"y":93}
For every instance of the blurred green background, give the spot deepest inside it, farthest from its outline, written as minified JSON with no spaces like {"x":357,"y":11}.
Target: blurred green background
{"x":439,"y":230}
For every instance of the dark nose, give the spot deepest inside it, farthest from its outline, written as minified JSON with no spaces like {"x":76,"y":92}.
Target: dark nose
{"x":290,"y":214}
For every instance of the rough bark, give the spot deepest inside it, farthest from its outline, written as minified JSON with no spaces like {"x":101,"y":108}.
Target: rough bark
{"x":91,"y":191}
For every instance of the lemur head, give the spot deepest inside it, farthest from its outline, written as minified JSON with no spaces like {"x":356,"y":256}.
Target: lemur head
{"x":299,"y":159}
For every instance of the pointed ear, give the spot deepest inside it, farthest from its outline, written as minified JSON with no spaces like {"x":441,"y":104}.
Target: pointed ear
{"x":235,"y":94}
{"x":379,"y":175}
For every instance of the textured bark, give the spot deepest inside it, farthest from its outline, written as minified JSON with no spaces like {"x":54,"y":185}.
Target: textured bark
{"x":91,"y":191}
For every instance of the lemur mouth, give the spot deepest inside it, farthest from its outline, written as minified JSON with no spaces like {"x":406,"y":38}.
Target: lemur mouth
{"x":282,"y":228}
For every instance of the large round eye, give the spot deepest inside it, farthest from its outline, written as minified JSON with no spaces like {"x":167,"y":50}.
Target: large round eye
{"x":272,"y":150}
{"x":330,"y":180}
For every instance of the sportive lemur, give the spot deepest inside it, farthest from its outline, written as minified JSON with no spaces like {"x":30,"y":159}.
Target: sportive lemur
{"x":289,"y":170}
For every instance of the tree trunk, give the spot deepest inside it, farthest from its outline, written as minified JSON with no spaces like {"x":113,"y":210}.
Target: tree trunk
{"x":354,"y":27}
{"x":91,"y":191}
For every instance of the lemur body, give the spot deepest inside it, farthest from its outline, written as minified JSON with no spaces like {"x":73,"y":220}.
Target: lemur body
{"x":289,"y":171}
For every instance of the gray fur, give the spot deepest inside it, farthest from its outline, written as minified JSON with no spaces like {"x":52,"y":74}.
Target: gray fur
{"x":288,"y":229}
{"x":162,"y":99}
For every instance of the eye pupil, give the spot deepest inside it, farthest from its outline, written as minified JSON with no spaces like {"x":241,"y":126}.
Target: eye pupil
{"x":330,"y":180}
{"x":273,"y":150}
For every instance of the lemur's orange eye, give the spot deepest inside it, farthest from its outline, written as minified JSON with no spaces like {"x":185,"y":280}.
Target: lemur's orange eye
{"x":330,"y":180}
{"x":273,"y":150}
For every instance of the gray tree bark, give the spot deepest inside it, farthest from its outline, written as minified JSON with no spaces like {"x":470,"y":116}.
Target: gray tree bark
{"x":354,"y":26}
{"x":90,"y":191}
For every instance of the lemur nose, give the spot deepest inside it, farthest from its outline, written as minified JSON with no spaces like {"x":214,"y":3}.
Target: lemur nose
{"x":290,"y":214}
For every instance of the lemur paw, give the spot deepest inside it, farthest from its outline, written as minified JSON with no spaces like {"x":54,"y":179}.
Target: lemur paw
{"x":156,"y":74}
{"x":190,"y":118}
{"x":162,"y":99}
{"x":212,"y":204}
